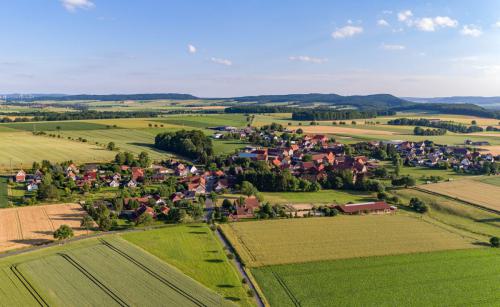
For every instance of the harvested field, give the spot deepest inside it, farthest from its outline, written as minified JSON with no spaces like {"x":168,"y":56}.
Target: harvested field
{"x":472,"y":191}
{"x":494,"y":149}
{"x":341,"y":130}
{"x":451,"y":278}
{"x":27,"y":226}
{"x":315,"y":239}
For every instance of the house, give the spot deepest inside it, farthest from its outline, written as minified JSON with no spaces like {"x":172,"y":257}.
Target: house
{"x":247,"y":209}
{"x":32,"y":187}
{"x":221,"y":185}
{"x":193,"y":170}
{"x":21,"y":176}
{"x":132,"y":184}
{"x":114,"y":184}
{"x":137,"y":173}
{"x":378,"y":207}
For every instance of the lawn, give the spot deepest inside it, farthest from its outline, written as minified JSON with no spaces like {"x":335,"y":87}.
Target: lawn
{"x":52,"y":126}
{"x":108,"y":272}
{"x":4,"y":192}
{"x":22,"y":148}
{"x":469,"y":219}
{"x":320,"y":197}
{"x":451,"y":278}
{"x":313,"y":239}
{"x":196,"y":251}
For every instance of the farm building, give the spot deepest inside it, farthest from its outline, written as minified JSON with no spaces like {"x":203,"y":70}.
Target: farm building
{"x":378,"y":207}
{"x":21,"y":176}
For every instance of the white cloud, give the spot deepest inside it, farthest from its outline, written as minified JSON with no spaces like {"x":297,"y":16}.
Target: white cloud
{"x":387,"y":12}
{"x":392,"y":47}
{"x":382,"y":22}
{"x":347,"y":31}
{"x":191,"y":49}
{"x":73,"y":5}
{"x":221,"y":61}
{"x":305,"y":58}
{"x":496,"y":24}
{"x":470,"y":58}
{"x":430,"y":24}
{"x":405,"y":15}
{"x":471,"y":30}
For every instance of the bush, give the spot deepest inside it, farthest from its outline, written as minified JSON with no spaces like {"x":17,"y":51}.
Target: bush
{"x":495,"y":242}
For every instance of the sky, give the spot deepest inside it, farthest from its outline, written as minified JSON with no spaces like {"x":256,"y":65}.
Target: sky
{"x":232,"y":48}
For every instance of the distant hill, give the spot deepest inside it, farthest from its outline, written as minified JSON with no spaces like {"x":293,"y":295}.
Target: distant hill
{"x":458,"y":99}
{"x":111,"y":97}
{"x":377,"y":101}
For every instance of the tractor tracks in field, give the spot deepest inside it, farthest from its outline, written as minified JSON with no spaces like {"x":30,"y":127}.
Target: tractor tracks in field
{"x":289,"y":292}
{"x":24,"y":281}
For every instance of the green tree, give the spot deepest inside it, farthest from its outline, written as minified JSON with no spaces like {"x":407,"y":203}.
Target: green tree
{"x":111,"y":146}
{"x":495,"y":242}
{"x":145,"y":219}
{"x":87,"y":222}
{"x":248,"y":189}
{"x":63,"y":232}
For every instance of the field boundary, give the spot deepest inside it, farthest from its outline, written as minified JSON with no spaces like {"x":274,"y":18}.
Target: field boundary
{"x":457,"y":199}
{"x":288,"y":292}
{"x":28,"y":286}
{"x":94,"y":280}
{"x":152,"y":273}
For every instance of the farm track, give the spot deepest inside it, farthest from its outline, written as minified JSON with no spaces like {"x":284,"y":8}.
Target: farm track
{"x":94,"y":280}
{"x":457,"y":199}
{"x":28,"y":286}
{"x":48,"y":218}
{"x":19,"y":226}
{"x":289,"y":292}
{"x":152,"y":273}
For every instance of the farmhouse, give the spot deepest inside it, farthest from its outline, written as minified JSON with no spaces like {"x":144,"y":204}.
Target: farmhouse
{"x":379,"y":207}
{"x":21,"y":176}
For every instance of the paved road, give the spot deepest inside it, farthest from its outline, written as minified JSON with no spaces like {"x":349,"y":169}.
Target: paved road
{"x":239,"y":266}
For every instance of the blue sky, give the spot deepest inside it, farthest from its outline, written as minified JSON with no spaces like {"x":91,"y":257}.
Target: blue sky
{"x":227,"y":48}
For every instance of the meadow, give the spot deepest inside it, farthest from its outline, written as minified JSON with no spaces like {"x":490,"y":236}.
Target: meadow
{"x":130,"y":276}
{"x":205,"y":121}
{"x":472,"y":191}
{"x":320,"y":197}
{"x":55,"y":126}
{"x":493,"y":180}
{"x":464,"y":218}
{"x":462,"y":278}
{"x":314,"y":239}
{"x":195,"y":251}
{"x":4,"y":193}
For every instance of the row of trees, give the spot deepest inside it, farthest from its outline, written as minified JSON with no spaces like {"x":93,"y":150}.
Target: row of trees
{"x":447,"y":125}
{"x":421,"y":131}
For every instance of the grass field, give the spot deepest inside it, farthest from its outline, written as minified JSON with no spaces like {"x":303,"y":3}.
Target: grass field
{"x":205,"y":121}
{"x":4,"y":194}
{"x":99,"y":272}
{"x":52,"y":126}
{"x":22,"y":148}
{"x":320,"y":197}
{"x":196,"y":252}
{"x":471,"y":220}
{"x":28,"y":226}
{"x":473,"y":191}
{"x":451,"y":278}
{"x":314,"y":239}
{"x":494,"y":180}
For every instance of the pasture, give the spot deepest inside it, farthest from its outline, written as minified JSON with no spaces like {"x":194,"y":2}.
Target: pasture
{"x":464,"y":277}
{"x":472,"y":191}
{"x":20,"y":149}
{"x":55,"y":126}
{"x":494,"y":180}
{"x":108,"y":272}
{"x":28,"y":226}
{"x":4,"y":192}
{"x":320,"y":197}
{"x":204,"y":121}
{"x":314,"y":239}
{"x":196,"y":251}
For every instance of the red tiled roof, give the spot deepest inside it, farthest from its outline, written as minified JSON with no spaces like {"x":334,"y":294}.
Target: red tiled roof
{"x":372,"y":206}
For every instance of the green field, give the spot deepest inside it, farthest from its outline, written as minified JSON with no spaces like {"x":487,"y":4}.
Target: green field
{"x":314,"y":239}
{"x":4,"y":193}
{"x":493,"y":180}
{"x":205,"y":121}
{"x":196,"y":252}
{"x":52,"y":126}
{"x":451,"y":278}
{"x":320,"y":197}
{"x":104,"y":272}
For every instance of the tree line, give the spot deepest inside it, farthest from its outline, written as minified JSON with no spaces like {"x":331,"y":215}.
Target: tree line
{"x":448,"y":125}
{"x":193,"y":144}
{"x":328,"y":114}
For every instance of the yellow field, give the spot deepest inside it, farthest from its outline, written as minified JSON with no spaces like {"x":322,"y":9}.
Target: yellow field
{"x":314,"y":239}
{"x":465,"y":119}
{"x":472,"y":191}
{"x":27,"y":226}
{"x":342,"y":130}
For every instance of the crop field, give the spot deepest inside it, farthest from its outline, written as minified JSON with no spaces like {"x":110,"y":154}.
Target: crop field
{"x":341,"y":130}
{"x":314,"y":239}
{"x":28,"y":226}
{"x":53,"y":126}
{"x":4,"y":194}
{"x":130,"y":277}
{"x":205,"y":121}
{"x":20,"y":149}
{"x":464,"y":218}
{"x":494,"y":180}
{"x":473,"y":191}
{"x":320,"y":197}
{"x":196,"y":251}
{"x":452,"y":278}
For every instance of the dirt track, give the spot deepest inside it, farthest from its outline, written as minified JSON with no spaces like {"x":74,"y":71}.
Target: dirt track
{"x":27,"y":226}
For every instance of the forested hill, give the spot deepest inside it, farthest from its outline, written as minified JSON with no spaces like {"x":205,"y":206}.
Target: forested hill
{"x":110,"y":97}
{"x":378,"y":101}
{"x":451,"y":108}
{"x":458,"y":99}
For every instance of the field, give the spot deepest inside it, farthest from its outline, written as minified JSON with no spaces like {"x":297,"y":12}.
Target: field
{"x":196,"y":251}
{"x":320,"y":197}
{"x":470,"y":220}
{"x":22,"y":148}
{"x":104,"y":272}
{"x":4,"y":197}
{"x":315,"y":239}
{"x":53,"y":126}
{"x":473,"y":191}
{"x":451,"y":278}
{"x":205,"y":121}
{"x":27,"y":226}
{"x":494,"y":180}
